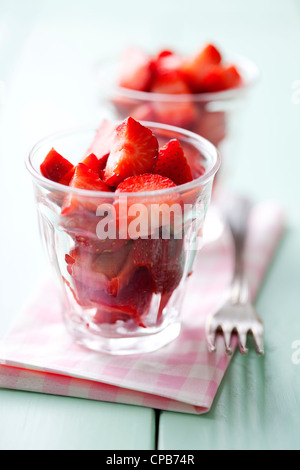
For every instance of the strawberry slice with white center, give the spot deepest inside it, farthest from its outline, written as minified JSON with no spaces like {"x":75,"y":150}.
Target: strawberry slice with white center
{"x":134,"y":151}
{"x":137,"y":217}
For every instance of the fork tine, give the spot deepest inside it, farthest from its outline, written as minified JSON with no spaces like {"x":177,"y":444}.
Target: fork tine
{"x":227,"y":339}
{"x":242,"y":336}
{"x":258,"y":334}
{"x":211,"y":339}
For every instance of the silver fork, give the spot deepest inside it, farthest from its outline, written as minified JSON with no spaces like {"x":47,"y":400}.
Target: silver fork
{"x":237,"y":314}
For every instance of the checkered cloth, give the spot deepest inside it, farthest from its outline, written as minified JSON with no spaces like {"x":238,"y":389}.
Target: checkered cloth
{"x":39,"y":355}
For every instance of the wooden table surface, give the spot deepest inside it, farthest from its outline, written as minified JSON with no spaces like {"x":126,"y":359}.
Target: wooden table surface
{"x":47,"y":52}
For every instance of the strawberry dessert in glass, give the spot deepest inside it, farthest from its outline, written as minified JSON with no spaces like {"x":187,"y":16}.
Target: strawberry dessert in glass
{"x":121,"y":211}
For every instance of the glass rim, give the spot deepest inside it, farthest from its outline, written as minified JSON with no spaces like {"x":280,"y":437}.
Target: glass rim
{"x":242,"y":63}
{"x":207,"y":148}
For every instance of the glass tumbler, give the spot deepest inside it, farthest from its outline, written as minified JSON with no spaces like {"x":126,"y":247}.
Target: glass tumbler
{"x":216,"y":116}
{"x":122,"y":259}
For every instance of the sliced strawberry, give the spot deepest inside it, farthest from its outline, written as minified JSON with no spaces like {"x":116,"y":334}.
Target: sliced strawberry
{"x":144,"y":183}
{"x":135,"y":70}
{"x":92,"y":162}
{"x":97,"y":271}
{"x":219,"y":77}
{"x":66,"y":180}
{"x":84,"y":178}
{"x":102,"y":142}
{"x":55,"y":167}
{"x":132,"y":302}
{"x":167,"y":76}
{"x":232,"y":77}
{"x":123,"y":277}
{"x":151,"y":212}
{"x":134,"y":151}
{"x":170,"y":83}
{"x":95,"y":245}
{"x":195,"y":67}
{"x":173,"y":164}
{"x":163,"y":258}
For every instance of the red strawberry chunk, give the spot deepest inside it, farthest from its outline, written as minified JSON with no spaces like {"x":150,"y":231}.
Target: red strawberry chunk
{"x":102,"y":142}
{"x":163,"y":258}
{"x":170,"y":83}
{"x":92,"y":162}
{"x":144,"y":183}
{"x":173,"y":164}
{"x":154,"y":209}
{"x":194,"y":68}
{"x":66,"y":180}
{"x":135,"y":70}
{"x":95,"y":245}
{"x":134,"y":151}
{"x":167,"y":76}
{"x":219,"y":78}
{"x":97,"y":271}
{"x":84,"y":178}
{"x":55,"y":167}
{"x":132,"y":302}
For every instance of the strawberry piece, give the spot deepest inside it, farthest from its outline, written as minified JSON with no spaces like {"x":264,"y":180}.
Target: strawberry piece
{"x":232,"y":77}
{"x":154,"y":210}
{"x":194,"y":68}
{"x":180,"y":113}
{"x":163,"y":258}
{"x":101,"y":144}
{"x":134,"y":151}
{"x":66,"y":180}
{"x":132,"y":303}
{"x":97,"y":271}
{"x":173,"y":164}
{"x":144,"y":183}
{"x":92,"y":162}
{"x":95,"y":245}
{"x":135,"y":70}
{"x":167,"y":76}
{"x":84,"y":178}
{"x":55,"y":167}
{"x":219,"y":78}
{"x":170,"y":83}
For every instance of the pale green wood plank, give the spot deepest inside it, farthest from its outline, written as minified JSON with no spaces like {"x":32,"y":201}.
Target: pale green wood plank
{"x":31,"y":421}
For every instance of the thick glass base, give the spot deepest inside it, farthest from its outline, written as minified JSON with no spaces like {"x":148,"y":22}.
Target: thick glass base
{"x":84,"y":336}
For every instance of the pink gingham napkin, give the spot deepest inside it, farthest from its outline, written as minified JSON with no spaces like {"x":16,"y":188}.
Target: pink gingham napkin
{"x":39,"y":355}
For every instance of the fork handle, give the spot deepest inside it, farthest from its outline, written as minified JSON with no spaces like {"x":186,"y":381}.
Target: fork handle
{"x":237,"y":216}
